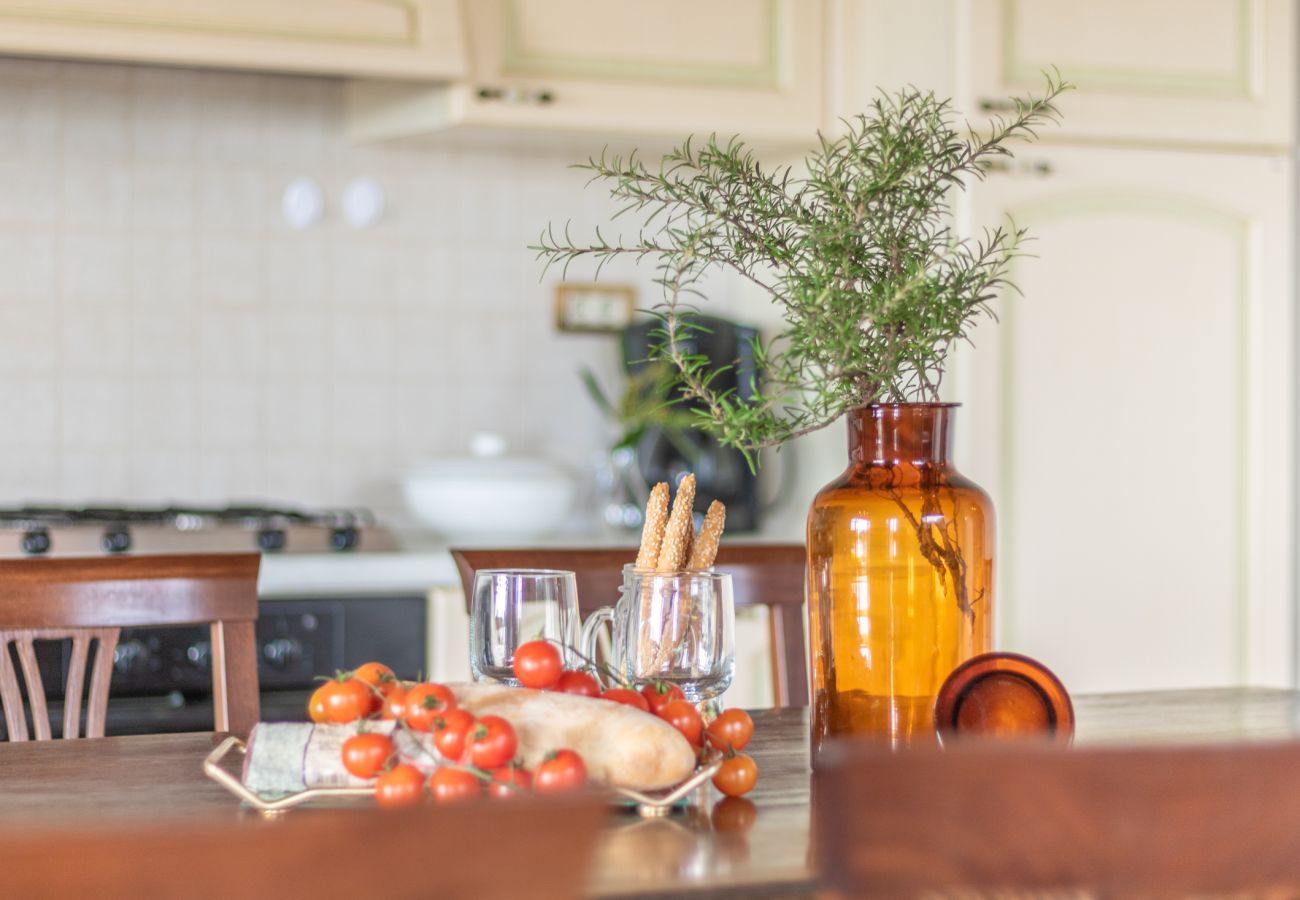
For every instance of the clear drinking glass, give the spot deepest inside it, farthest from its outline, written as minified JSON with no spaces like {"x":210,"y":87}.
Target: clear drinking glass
{"x":513,"y":606}
{"x":677,"y":627}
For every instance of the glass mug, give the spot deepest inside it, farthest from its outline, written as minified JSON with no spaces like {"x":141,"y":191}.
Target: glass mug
{"x":513,"y":606}
{"x":675,"y":627}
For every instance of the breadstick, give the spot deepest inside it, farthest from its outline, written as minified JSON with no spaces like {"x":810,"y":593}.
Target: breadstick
{"x":656,"y":520}
{"x":672,"y":553}
{"x":706,"y":545}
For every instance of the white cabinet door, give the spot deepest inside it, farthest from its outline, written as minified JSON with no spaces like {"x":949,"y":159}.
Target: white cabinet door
{"x":1132,"y":415}
{"x":1204,"y":71}
{"x":390,"y":38}
{"x":674,"y":67}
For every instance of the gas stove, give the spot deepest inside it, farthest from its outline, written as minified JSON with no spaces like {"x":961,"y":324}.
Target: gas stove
{"x":92,"y":530}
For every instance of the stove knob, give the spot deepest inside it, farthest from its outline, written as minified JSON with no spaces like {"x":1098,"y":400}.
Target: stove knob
{"x":116,"y":540}
{"x":270,"y":539}
{"x":344,"y":538}
{"x":280,"y":652}
{"x":130,"y":656}
{"x":199,"y":653}
{"x":36,"y":542}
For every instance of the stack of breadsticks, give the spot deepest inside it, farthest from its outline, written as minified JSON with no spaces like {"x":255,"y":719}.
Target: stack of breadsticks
{"x":669,"y":546}
{"x":668,"y":540}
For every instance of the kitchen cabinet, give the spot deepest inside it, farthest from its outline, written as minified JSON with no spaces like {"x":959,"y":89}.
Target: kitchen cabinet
{"x":1207,"y":71}
{"x":674,"y":67}
{"x":390,"y":38}
{"x":1132,"y":415}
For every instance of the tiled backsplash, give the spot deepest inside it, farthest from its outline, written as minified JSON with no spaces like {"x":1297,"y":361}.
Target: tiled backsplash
{"x":164,"y":334}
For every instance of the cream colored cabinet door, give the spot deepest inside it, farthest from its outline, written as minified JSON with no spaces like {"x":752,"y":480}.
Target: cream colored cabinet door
{"x":391,"y":38}
{"x":1132,"y":416}
{"x":1216,"y":72}
{"x":673,"y":67}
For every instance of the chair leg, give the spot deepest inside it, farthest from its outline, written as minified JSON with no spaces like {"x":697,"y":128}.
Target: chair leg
{"x":236,"y":703}
{"x":789,"y":655}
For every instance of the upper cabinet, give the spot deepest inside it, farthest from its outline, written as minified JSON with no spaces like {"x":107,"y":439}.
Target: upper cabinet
{"x":383,"y":38}
{"x":672,"y":67}
{"x":1213,"y":72}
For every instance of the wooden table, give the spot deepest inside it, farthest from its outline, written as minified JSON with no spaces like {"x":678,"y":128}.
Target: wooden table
{"x":732,"y":850}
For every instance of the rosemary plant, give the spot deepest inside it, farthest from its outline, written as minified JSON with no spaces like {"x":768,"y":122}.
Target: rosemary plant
{"x":857,"y":250}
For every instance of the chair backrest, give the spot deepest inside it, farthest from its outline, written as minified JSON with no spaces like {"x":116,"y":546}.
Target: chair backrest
{"x":1023,"y":821}
{"x":530,"y":847}
{"x":89,"y":600}
{"x":770,"y":575}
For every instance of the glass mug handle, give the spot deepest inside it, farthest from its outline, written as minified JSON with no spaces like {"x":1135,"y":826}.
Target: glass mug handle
{"x":591,"y":630}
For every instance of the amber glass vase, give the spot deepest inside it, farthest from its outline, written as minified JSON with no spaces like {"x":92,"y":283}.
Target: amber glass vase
{"x":900,"y":577}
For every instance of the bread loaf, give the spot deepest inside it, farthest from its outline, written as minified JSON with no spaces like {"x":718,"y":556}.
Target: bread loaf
{"x":621,"y":745}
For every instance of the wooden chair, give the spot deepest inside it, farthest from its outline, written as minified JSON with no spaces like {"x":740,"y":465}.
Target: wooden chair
{"x":531,"y":847}
{"x":1030,"y":821}
{"x":89,"y":600}
{"x":770,"y":575}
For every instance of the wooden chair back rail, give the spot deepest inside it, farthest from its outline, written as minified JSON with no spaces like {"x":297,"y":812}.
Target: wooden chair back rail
{"x":101,"y":674}
{"x":1165,"y":822}
{"x":89,"y":600}
{"x":770,"y":575}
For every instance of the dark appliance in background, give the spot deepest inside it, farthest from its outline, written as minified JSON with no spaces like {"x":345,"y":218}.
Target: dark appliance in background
{"x":721,"y":473}
{"x":162,"y":677}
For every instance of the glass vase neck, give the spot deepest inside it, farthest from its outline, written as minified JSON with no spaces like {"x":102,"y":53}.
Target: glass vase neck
{"x":890,"y":434}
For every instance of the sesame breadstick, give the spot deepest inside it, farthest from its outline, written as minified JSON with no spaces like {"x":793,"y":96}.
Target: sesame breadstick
{"x":706,"y":545}
{"x":672,"y":553}
{"x":656,"y":521}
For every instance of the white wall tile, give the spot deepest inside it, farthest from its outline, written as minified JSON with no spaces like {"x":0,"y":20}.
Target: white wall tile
{"x":29,"y":337}
{"x":28,"y":264}
{"x":297,"y":413}
{"x":163,"y":118}
{"x":95,"y":267}
{"x":28,"y":475}
{"x":232,"y":342}
{"x":230,"y":415}
{"x":232,"y":197}
{"x":160,"y":474}
{"x":163,"y":414}
{"x":29,"y":110}
{"x":163,"y":194}
{"x":31,"y":191}
{"x":93,"y":413}
{"x":163,"y":270}
{"x":93,"y":475}
{"x":95,"y":106}
{"x":30,"y":410}
{"x":164,"y":340}
{"x":95,"y":340}
{"x":232,"y":270}
{"x":96,"y":194}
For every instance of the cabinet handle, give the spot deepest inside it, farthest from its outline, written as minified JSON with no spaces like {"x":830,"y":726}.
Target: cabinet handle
{"x":1040,"y":167}
{"x":516,"y":95}
{"x":988,"y":104}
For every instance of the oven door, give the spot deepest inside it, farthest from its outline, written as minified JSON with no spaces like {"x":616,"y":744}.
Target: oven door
{"x":162,"y":677}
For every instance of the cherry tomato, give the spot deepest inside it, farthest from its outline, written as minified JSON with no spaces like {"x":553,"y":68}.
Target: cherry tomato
{"x":379,"y":678}
{"x":684,"y":717}
{"x":626,"y":697}
{"x":510,"y":781}
{"x":365,"y":755}
{"x":580,"y":683}
{"x":345,"y":700}
{"x":561,"y":771}
{"x":454,"y":785}
{"x":425,"y":702}
{"x":737,"y":775}
{"x":449,"y":732}
{"x":316,"y":710}
{"x":537,"y":664}
{"x":733,"y":814}
{"x":732,"y":729}
{"x":492,"y":742}
{"x":658,"y":693}
{"x":400,"y":786}
{"x":394,"y":703}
